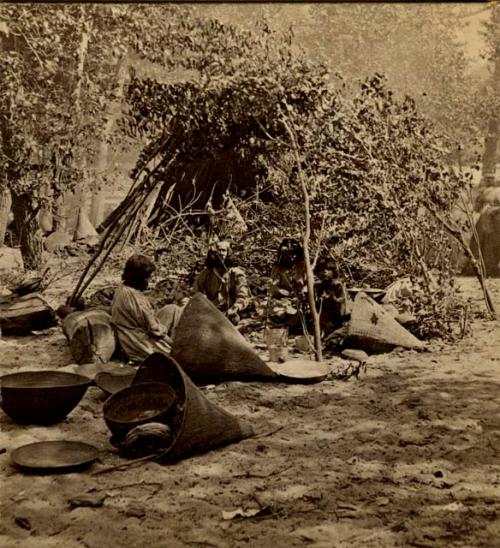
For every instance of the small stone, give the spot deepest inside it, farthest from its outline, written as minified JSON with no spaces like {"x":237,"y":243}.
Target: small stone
{"x":24,"y":523}
{"x":89,"y":501}
{"x":135,"y":512}
{"x":19,"y":497}
{"x":357,"y":355}
{"x":383,"y":501}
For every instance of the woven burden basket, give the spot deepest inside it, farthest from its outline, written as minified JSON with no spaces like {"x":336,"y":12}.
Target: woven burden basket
{"x":199,"y":425}
{"x":210,"y":349}
{"x":373,"y":329}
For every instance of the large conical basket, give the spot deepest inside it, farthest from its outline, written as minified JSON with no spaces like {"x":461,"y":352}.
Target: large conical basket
{"x":210,"y":349}
{"x":198,"y":425}
{"x":373,"y":329}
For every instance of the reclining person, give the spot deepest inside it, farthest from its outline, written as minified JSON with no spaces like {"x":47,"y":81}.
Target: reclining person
{"x":140,"y":330}
{"x":224,"y":283}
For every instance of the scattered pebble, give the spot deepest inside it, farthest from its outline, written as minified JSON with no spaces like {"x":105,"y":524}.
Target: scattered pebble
{"x":135,"y":512}
{"x":22,"y":522}
{"x":87,"y":501}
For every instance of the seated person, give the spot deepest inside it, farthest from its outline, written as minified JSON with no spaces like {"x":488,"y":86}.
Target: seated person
{"x":288,"y":275}
{"x":223,"y":283}
{"x":140,"y":330}
{"x":288,"y":286}
{"x":289,"y":289}
{"x":332,"y":298}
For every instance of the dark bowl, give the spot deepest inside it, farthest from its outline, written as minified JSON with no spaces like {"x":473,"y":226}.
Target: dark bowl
{"x":41,"y":397}
{"x":138,"y":404}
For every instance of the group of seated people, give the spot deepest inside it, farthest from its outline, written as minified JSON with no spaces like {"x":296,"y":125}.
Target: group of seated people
{"x":141,"y":330}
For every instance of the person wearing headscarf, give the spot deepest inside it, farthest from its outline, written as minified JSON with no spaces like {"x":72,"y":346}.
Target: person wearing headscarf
{"x":224,"y":283}
{"x":140,"y":329}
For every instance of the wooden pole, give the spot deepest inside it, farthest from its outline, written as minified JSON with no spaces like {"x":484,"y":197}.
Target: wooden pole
{"x":113,"y":235}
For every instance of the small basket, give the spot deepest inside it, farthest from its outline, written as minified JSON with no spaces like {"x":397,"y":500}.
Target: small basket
{"x":138,"y":404}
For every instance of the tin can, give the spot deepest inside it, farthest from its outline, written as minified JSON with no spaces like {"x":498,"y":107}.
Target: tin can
{"x":277,"y":344}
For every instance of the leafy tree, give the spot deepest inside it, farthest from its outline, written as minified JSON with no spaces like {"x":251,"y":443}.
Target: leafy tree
{"x":29,"y":116}
{"x":50,"y":107}
{"x":60,"y":67}
{"x":416,"y":46}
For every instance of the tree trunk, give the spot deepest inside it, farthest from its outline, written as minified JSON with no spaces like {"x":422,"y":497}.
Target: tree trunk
{"x":493,"y":132}
{"x":490,"y":152}
{"x":59,"y":215}
{"x":80,"y":192}
{"x":96,"y":207}
{"x":45,"y":217}
{"x":82,"y":55}
{"x":5,"y":205}
{"x":30,"y":236}
{"x":97,"y":203}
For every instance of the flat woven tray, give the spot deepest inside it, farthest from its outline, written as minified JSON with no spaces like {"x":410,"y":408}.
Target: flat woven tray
{"x":54,"y":455}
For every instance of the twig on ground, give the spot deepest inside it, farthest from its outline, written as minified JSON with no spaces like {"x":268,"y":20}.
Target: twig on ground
{"x":127,"y":485}
{"x":265,"y":434}
{"x":273,"y":473}
{"x":128,"y":463}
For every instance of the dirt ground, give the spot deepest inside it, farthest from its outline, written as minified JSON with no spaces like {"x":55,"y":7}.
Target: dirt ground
{"x":406,"y":455}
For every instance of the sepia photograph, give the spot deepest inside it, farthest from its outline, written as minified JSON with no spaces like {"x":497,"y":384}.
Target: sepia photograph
{"x":249,"y":274}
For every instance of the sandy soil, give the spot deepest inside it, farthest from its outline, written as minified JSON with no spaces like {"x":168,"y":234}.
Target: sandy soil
{"x":407,"y":455}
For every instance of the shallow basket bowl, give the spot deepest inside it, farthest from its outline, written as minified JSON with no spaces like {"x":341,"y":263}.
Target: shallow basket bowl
{"x":138,"y":404}
{"x":111,"y":383}
{"x":41,"y":397}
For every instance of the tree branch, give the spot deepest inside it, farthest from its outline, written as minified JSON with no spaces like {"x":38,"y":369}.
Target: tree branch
{"x":306,"y":238}
{"x":457,"y":234}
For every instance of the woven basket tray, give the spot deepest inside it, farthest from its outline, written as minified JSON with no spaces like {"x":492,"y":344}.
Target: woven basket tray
{"x":373,"y":329}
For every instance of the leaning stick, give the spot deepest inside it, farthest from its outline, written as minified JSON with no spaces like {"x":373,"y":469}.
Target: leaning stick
{"x":82,"y":284}
{"x":128,"y":463}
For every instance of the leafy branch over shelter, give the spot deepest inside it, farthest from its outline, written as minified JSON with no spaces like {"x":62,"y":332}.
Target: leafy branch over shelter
{"x":373,"y":164}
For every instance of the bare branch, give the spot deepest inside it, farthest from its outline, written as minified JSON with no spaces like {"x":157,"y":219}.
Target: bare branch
{"x":306,"y":237}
